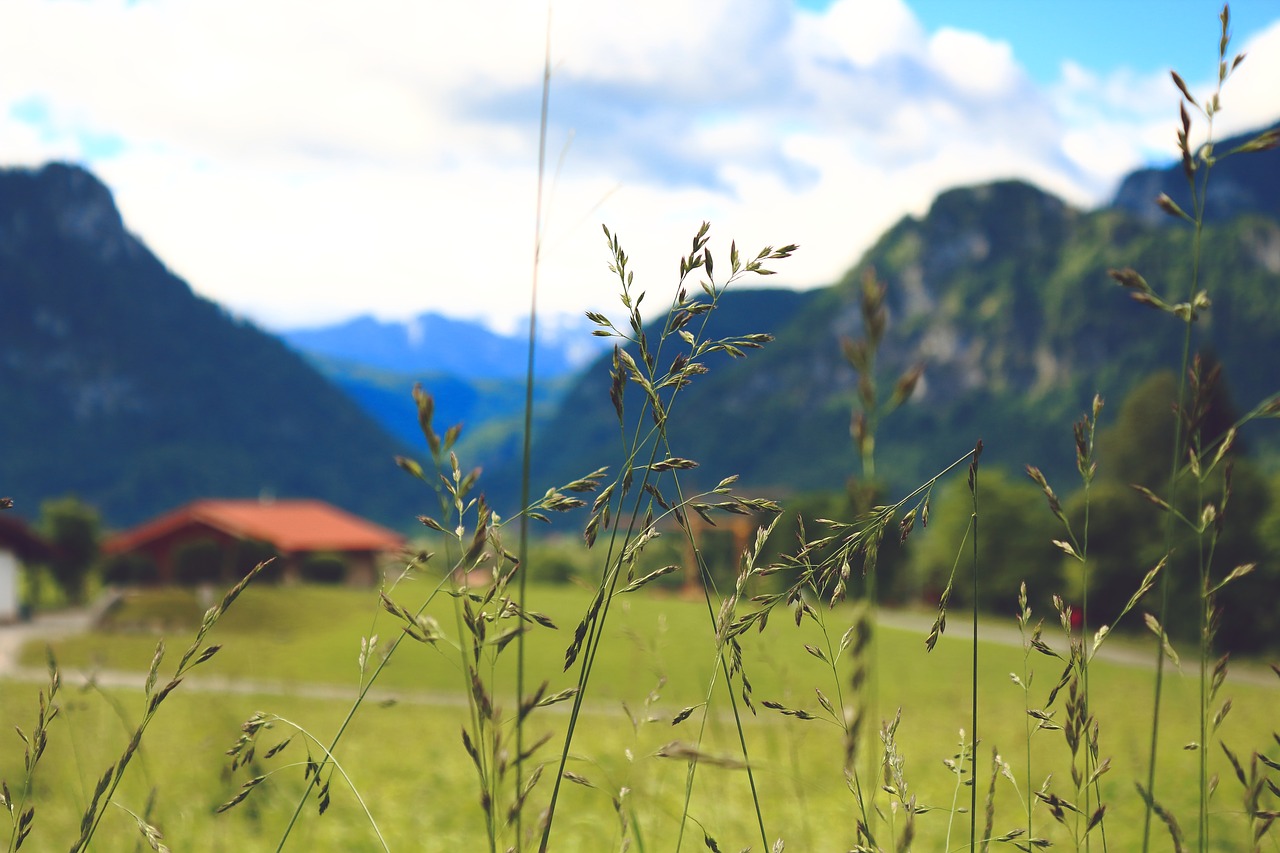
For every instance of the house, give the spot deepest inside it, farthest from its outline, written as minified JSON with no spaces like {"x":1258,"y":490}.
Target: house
{"x":295,"y":530}
{"x":18,"y":545}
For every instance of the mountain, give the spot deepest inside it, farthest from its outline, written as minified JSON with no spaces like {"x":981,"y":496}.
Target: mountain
{"x":1239,"y":184}
{"x":433,"y":343}
{"x":1001,"y":291}
{"x":733,"y":417}
{"x":122,"y":386}
{"x":475,"y":374}
{"x":491,"y":411}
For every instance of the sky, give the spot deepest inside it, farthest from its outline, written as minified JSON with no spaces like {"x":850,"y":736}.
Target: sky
{"x":306,"y":161}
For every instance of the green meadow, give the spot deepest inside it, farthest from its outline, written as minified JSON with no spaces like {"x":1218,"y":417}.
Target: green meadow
{"x":404,"y":755}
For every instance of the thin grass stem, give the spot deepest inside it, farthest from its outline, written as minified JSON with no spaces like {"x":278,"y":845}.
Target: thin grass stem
{"x":526,"y":453}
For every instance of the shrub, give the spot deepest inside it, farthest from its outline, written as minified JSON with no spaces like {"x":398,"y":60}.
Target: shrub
{"x":130,"y":570}
{"x":74,"y":528}
{"x":249,"y":553}
{"x":323,"y":568}
{"x":198,"y":561}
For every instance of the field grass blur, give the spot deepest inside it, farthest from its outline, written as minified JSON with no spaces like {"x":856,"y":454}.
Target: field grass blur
{"x":406,"y":758}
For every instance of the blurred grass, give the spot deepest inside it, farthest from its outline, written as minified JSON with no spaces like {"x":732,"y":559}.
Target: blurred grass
{"x":409,"y":765}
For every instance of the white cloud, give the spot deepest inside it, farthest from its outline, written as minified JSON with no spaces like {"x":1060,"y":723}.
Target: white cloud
{"x":1118,"y":121}
{"x":303,"y":161}
{"x":869,"y":32}
{"x":1249,"y":98}
{"x":974,"y":64}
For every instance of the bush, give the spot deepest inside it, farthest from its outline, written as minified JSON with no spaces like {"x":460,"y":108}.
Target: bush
{"x":130,"y":570}
{"x":251,"y":552}
{"x":557,"y":559}
{"x":198,"y":562}
{"x":324,"y":568}
{"x":74,"y":528}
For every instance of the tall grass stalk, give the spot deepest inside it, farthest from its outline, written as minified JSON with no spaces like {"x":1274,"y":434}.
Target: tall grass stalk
{"x":197,"y":653}
{"x":1025,"y":681}
{"x":973,"y":711}
{"x":526,"y":454}
{"x":21,"y":814}
{"x":425,"y":408}
{"x":1082,"y":726}
{"x":244,"y":751}
{"x":721,"y":620}
{"x":819,"y":571}
{"x":472,"y":542}
{"x":864,"y":426}
{"x":1197,"y":166}
{"x":631,"y":526}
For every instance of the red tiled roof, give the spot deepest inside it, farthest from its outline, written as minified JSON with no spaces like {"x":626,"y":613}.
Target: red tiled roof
{"x":289,"y":525}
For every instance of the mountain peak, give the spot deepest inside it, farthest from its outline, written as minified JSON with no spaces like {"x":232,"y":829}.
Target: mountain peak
{"x":122,"y":386}
{"x":64,"y":202}
{"x":996,"y":218}
{"x":1245,"y":184}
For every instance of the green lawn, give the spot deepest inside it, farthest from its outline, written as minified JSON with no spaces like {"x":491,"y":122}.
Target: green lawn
{"x":407,"y":761}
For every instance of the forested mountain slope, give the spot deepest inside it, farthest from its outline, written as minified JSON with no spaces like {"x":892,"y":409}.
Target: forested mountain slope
{"x":121,"y":386}
{"x":1002,"y":293}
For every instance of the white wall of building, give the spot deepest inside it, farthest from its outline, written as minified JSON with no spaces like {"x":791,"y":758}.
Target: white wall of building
{"x":8,"y":586}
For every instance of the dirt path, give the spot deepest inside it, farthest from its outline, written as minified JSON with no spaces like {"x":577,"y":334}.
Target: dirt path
{"x":1122,"y":652}
{"x":46,"y":626}
{"x":1118,"y":650}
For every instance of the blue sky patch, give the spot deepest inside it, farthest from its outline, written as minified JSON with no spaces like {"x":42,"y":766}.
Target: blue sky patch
{"x":1046,"y":33}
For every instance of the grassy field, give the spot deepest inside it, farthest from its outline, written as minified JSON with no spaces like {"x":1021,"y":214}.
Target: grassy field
{"x":407,"y":762}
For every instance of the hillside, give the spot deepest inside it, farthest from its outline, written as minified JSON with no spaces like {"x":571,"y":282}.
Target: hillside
{"x":1002,"y":292}
{"x":477,"y":375}
{"x":731,"y":416}
{"x":491,"y":411}
{"x":1240,"y":185}
{"x":123,"y":387}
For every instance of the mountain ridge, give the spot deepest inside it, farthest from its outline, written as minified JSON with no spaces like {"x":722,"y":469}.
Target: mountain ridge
{"x":1000,"y":289}
{"x":1238,"y":186}
{"x":125,"y":388}
{"x":436,"y":343}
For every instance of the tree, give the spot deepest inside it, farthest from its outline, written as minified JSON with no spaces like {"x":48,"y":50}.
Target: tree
{"x":1127,"y":534}
{"x":74,"y":528}
{"x":1139,"y":446}
{"x":1014,"y":544}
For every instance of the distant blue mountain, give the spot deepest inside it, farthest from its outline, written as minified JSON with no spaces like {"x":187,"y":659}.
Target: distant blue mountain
{"x":1246,"y":184}
{"x":490,"y":410}
{"x":432,"y":343}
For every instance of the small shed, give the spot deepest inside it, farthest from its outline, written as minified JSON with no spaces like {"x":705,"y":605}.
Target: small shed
{"x":19,"y":545}
{"x":295,"y":529}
